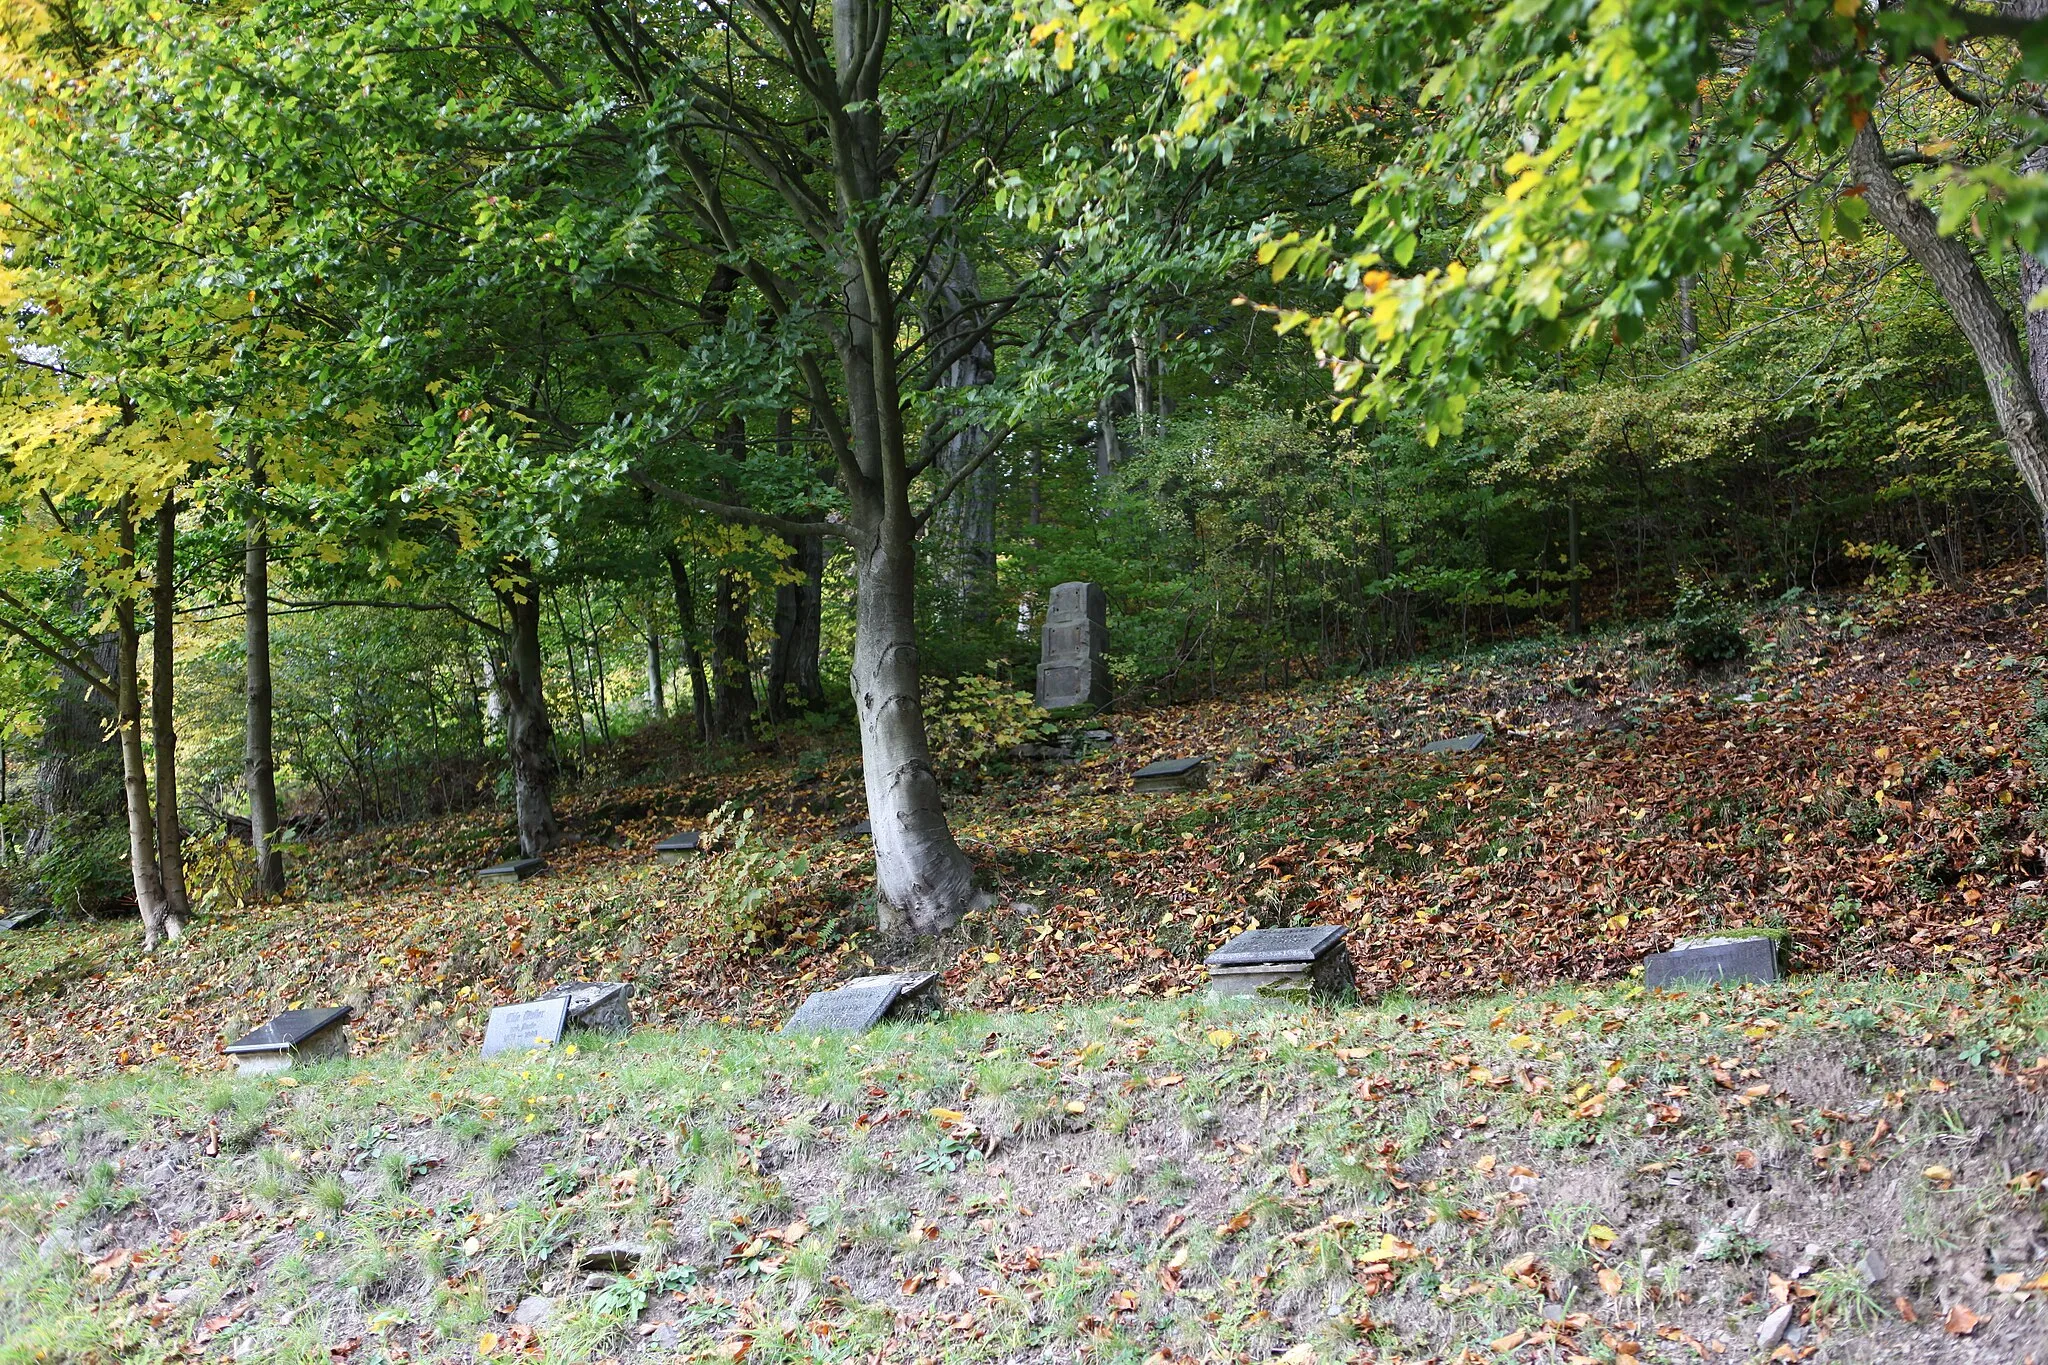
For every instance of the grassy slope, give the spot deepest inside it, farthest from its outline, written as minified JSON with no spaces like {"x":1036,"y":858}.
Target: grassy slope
{"x":1591,"y":1175}
{"x":1867,"y":782}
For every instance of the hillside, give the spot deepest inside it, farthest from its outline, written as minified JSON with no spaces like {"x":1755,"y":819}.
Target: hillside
{"x":1866,"y":781}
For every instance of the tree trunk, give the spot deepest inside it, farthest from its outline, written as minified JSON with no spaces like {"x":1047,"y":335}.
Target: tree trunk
{"x":657,"y":696}
{"x":963,"y":532}
{"x":793,"y":682}
{"x":1976,"y":310}
{"x":1688,"y":320}
{"x":78,"y":767}
{"x":529,"y":735}
{"x":731,"y":669}
{"x":693,"y":658}
{"x":1571,"y":522}
{"x":163,"y":726}
{"x":925,"y":882}
{"x":159,"y":921}
{"x":259,"y":764}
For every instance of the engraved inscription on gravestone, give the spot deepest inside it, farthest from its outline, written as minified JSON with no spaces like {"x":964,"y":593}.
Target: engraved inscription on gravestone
{"x":1255,"y":946}
{"x":1456,"y":744}
{"x":854,"y":1008}
{"x":1073,"y":656}
{"x":1712,"y":961}
{"x":1282,"y":963}
{"x":525,"y":1026}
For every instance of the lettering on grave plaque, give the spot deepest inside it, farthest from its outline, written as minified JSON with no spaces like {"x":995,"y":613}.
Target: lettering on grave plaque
{"x":525,"y":1026}
{"x":854,"y":1008}
{"x":1073,"y":650}
{"x":1750,"y":959}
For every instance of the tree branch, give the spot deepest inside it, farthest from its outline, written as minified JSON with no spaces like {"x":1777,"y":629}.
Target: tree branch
{"x":73,"y":663}
{"x":725,"y":511}
{"x":448,"y":607}
{"x":961,"y":474}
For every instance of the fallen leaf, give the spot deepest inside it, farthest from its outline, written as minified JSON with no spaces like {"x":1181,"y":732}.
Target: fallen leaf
{"x":1960,"y":1321}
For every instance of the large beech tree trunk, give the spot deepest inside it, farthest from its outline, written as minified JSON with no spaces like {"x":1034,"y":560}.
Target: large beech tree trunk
{"x":259,"y":764}
{"x":163,"y":726}
{"x":159,"y":920}
{"x":963,"y":534}
{"x":793,"y":682}
{"x":529,"y":734}
{"x":2015,"y":396}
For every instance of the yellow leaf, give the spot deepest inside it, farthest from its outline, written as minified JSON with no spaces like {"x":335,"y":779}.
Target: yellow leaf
{"x":1221,"y":1037}
{"x":1600,"y":1235}
{"x":487,"y":1343}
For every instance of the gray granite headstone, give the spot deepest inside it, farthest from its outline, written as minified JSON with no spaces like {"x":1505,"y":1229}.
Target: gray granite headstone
{"x":1073,"y":652}
{"x":292,"y":1037}
{"x":677,"y":847}
{"x":596,"y":1004}
{"x":1749,"y":958}
{"x":1172,"y":775}
{"x":1284,"y":963}
{"x":525,"y":1026}
{"x":1456,"y":744}
{"x":518,"y":870}
{"x":25,"y":919}
{"x":853,"y":1008}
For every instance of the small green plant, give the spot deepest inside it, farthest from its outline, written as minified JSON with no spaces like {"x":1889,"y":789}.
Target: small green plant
{"x":976,"y":717}
{"x":500,"y":1149}
{"x":1706,"y":629}
{"x":1729,"y":1243}
{"x":736,"y":888}
{"x":1840,"y":1295}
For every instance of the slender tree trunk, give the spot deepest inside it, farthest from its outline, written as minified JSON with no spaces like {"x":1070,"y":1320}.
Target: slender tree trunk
{"x":159,"y":920}
{"x":963,"y":531}
{"x":793,"y":682}
{"x":1688,"y":320}
{"x":259,"y":763}
{"x":529,"y":735}
{"x":693,"y":658}
{"x":1976,"y":310}
{"x":170,"y":836}
{"x":1571,"y":522}
{"x":731,"y":669}
{"x":657,"y":696}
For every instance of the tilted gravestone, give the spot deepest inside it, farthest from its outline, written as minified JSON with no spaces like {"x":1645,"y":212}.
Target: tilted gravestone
{"x":1456,"y":744}
{"x":1172,"y":775}
{"x":525,"y":1026}
{"x":518,"y":870}
{"x":1712,"y":960}
{"x":865,"y":1001}
{"x":859,"y":829}
{"x":290,"y":1038}
{"x":24,"y":919}
{"x":677,"y":847}
{"x":1073,"y":651}
{"x":1289,"y":963}
{"x":596,"y":1004}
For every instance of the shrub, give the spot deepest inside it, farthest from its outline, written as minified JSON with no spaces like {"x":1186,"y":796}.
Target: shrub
{"x":1706,"y":629}
{"x":973,"y":718}
{"x":736,"y":887}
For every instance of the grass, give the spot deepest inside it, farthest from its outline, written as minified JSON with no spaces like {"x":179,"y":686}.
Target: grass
{"x":1365,"y":1183}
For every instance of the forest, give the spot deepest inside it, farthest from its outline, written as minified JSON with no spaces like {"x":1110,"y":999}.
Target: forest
{"x":445,"y":433}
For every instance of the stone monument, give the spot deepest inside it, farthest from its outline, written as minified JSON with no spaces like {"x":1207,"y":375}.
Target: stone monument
{"x":1287,"y":963}
{"x":1172,"y":775}
{"x":518,"y":870}
{"x":596,"y":1004}
{"x":865,"y":1001}
{"x":526,"y":1026}
{"x":291,"y":1038}
{"x":1073,"y":655}
{"x":677,"y":847}
{"x":1713,"y":959}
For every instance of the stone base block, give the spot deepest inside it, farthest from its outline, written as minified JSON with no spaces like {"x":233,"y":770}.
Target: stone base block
{"x":1328,"y":977}
{"x":328,"y":1043}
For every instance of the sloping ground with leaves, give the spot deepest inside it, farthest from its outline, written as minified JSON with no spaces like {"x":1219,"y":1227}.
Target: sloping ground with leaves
{"x":1866,"y":780}
{"x":1820,"y":1171}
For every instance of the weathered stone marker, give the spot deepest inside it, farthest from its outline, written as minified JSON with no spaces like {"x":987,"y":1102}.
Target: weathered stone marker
{"x":1172,"y":775}
{"x":1456,"y":744}
{"x":24,"y":919}
{"x":291,"y":1038}
{"x":525,"y":1026}
{"x":1711,"y":959}
{"x":865,"y":1001}
{"x":518,"y":870}
{"x":1282,"y":962}
{"x":859,"y":829}
{"x":596,"y":1004}
{"x":677,"y":847}
{"x":1073,"y":649}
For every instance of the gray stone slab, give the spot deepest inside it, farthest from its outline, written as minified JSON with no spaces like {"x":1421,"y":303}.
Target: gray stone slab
{"x":1713,"y":961}
{"x":291,"y":1038}
{"x":24,"y":919}
{"x":525,"y":1026}
{"x":1258,"y":947}
{"x":1457,"y":744}
{"x":518,"y":870}
{"x":1172,"y":775}
{"x":1073,"y":648}
{"x":596,"y":1004}
{"x":859,"y":829}
{"x":677,"y":847}
{"x":853,"y":1008}
{"x":918,"y":994}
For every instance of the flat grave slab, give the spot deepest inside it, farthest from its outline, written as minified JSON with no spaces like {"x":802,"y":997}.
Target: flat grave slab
{"x":596,"y":1004}
{"x":865,"y":1001}
{"x":1456,"y":744}
{"x":1172,"y":775}
{"x":677,"y":847}
{"x":525,"y":1026}
{"x":294,"y":1036}
{"x":1282,"y":963}
{"x":518,"y":870}
{"x":1711,"y":961}
{"x":859,"y":829}
{"x":24,"y":919}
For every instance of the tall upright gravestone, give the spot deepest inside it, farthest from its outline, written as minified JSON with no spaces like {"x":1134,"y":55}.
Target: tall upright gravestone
{"x":1073,"y":656}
